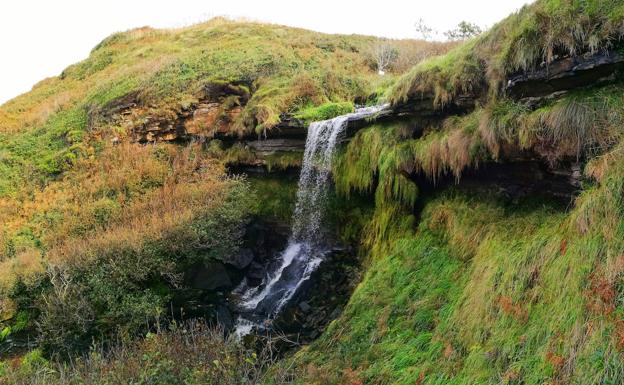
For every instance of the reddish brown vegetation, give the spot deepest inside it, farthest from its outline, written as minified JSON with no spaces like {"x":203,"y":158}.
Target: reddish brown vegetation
{"x":512,"y":309}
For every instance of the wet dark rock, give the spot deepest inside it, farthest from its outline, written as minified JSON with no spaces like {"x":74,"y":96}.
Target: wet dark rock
{"x":16,"y":344}
{"x":224,"y":317}
{"x":515,"y":178}
{"x":256,"y":273}
{"x":335,"y":314}
{"x":207,"y":289}
{"x":321,"y":298}
{"x":242,"y":259}
{"x":271,"y":146}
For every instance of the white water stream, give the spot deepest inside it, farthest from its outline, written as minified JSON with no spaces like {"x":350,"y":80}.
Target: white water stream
{"x":306,"y":246}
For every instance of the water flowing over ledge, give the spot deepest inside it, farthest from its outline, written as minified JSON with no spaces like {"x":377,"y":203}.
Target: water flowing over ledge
{"x":307,"y":245}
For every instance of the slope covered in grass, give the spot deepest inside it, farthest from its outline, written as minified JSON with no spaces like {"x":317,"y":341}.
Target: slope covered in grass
{"x":274,"y":70}
{"x":100,"y":252}
{"x":484,"y":292}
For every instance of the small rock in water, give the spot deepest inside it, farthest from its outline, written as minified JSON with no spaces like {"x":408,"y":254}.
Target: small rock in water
{"x":305,"y":307}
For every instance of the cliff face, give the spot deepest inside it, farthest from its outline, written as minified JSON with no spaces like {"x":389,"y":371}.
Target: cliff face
{"x":214,"y":115}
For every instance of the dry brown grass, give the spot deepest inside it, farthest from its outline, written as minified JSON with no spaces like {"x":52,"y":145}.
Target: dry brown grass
{"x":412,"y":52}
{"x":126,"y":195}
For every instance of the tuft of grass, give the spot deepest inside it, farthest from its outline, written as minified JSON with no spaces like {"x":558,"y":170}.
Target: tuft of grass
{"x":442,"y":78}
{"x":324,"y":111}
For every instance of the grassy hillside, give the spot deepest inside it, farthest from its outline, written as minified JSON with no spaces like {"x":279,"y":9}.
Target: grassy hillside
{"x":97,"y":233}
{"x":485,"y":292}
{"x":279,"y":69}
{"x":55,"y":147}
{"x":462,"y":285}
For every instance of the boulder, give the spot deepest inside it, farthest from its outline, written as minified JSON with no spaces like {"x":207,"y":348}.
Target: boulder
{"x":210,"y":276}
{"x":304,"y":307}
{"x":256,"y":272}
{"x":224,"y":317}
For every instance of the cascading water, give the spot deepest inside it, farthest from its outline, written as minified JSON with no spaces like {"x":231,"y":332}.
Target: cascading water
{"x":306,"y":246}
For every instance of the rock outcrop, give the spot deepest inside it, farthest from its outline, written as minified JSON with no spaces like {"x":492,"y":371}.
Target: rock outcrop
{"x":217,"y":113}
{"x":566,"y":74}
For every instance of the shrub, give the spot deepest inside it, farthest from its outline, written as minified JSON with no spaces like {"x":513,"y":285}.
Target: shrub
{"x":192,"y":353}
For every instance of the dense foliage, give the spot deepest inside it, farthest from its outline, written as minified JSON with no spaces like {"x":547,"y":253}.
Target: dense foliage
{"x":105,"y":249}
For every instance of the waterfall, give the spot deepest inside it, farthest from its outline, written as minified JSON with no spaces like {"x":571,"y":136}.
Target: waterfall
{"x":306,"y":246}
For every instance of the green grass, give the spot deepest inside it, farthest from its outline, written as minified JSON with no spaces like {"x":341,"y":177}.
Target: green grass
{"x":32,"y":158}
{"x":324,"y":111}
{"x":485,"y":291}
{"x":482,"y":292}
{"x":442,"y":78}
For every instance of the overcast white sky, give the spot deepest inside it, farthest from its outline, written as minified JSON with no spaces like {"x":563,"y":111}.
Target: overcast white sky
{"x":39,"y":38}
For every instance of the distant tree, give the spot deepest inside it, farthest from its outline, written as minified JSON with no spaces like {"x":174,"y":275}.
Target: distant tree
{"x":425,"y":31}
{"x":463,"y":31}
{"x":384,"y":54}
